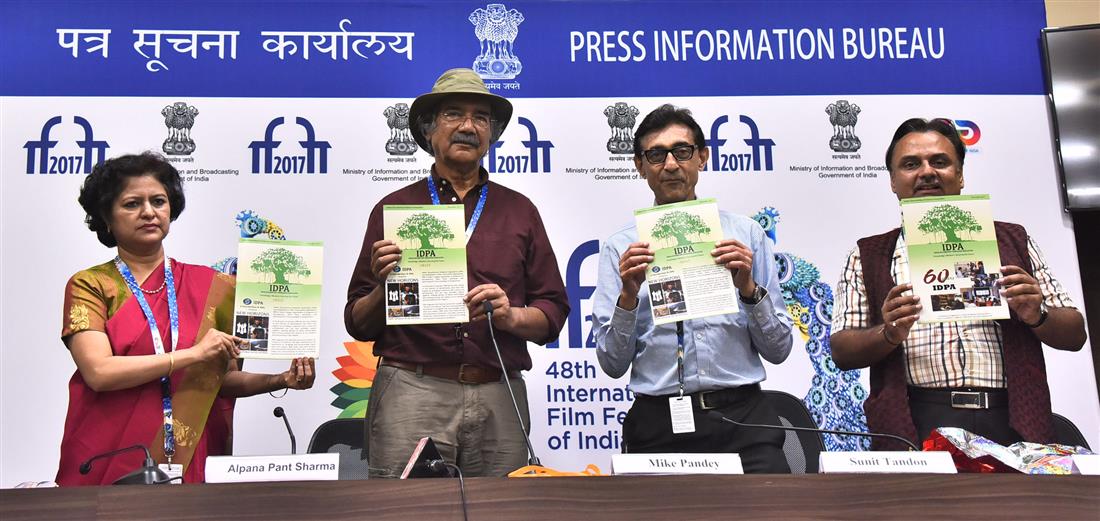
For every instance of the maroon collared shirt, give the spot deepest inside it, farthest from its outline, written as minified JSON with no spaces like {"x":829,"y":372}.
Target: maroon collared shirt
{"x":509,"y":248}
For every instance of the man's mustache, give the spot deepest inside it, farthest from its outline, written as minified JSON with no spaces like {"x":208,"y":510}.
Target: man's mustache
{"x":928,"y":182}
{"x":465,"y":139}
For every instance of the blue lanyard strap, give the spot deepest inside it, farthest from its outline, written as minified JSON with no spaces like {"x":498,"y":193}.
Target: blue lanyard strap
{"x":680,"y":355}
{"x":432,"y":191}
{"x":158,"y":343}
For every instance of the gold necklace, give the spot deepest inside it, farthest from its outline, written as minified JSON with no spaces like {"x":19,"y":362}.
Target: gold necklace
{"x":152,"y":291}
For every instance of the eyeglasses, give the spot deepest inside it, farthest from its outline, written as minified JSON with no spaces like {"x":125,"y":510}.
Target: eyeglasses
{"x":455,"y":118}
{"x":656,"y":156}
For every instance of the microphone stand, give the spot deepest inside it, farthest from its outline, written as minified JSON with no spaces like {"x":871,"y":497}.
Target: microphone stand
{"x":279,"y":413}
{"x":533,"y":460}
{"x":148,"y":474}
{"x":717,"y":416}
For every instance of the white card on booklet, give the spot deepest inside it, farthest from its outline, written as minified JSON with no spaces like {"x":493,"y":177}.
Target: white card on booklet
{"x":625,"y":464}
{"x":1087,"y":464}
{"x":292,"y":467}
{"x":887,"y":462}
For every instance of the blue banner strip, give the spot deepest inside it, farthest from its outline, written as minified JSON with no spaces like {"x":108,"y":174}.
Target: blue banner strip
{"x":523,"y":49}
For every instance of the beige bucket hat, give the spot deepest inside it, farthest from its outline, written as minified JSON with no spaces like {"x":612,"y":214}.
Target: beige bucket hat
{"x":456,"y":81}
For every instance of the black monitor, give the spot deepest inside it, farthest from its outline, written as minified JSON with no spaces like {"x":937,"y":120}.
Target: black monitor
{"x":1072,"y":59}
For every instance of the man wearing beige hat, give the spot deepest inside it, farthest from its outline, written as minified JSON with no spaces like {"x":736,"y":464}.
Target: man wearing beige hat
{"x":444,"y":380}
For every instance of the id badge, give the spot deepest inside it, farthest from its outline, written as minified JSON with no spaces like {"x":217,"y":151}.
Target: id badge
{"x":683,"y":418}
{"x":174,"y":471}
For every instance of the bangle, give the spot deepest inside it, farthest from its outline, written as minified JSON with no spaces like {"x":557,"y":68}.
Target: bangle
{"x":280,"y":384}
{"x":887,"y":337}
{"x":171,"y":364}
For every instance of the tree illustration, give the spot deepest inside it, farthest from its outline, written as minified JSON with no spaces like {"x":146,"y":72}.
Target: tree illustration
{"x":679,"y":225}
{"x":949,"y":220}
{"x":280,"y":262}
{"x":424,"y":227}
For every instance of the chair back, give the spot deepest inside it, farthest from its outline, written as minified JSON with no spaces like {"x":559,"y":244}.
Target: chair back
{"x":1066,"y":433}
{"x":344,"y":436}
{"x":802,"y":449}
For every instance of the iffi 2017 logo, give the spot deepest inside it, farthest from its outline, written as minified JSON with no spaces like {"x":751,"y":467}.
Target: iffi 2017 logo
{"x":179,"y":117}
{"x":578,"y":293}
{"x":40,"y":160}
{"x":621,"y":117}
{"x":968,"y":132}
{"x":314,"y":160}
{"x":496,"y":27}
{"x":536,"y":160}
{"x":757,"y":158}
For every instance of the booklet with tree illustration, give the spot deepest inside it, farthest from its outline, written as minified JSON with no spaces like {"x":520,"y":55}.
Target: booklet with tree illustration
{"x":278,"y":298}
{"x":429,"y":282}
{"x":683,"y":281}
{"x":954,"y":263}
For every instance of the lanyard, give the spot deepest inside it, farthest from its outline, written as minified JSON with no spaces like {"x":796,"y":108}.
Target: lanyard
{"x":158,"y":343}
{"x":680,"y":355}
{"x":432,"y":191}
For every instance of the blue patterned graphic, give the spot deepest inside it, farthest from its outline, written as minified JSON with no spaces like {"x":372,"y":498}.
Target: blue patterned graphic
{"x":251,"y":226}
{"x":835,"y":398}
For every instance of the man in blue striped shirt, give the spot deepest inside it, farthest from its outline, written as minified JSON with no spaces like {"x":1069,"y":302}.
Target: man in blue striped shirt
{"x":722,"y":370}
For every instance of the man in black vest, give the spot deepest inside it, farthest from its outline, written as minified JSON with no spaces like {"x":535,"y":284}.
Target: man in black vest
{"x":987,"y":377}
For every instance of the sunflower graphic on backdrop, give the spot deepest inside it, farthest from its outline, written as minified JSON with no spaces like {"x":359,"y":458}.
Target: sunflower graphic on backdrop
{"x":356,"y":374}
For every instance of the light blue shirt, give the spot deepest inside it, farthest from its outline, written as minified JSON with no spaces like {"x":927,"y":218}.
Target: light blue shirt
{"x":719,"y":351}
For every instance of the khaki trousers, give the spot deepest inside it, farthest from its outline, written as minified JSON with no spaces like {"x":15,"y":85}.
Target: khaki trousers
{"x":474,"y":426}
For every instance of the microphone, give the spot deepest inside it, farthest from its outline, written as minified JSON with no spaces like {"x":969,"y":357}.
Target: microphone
{"x":438,"y":465}
{"x":533,"y":460}
{"x":717,"y":416}
{"x":293,"y":443}
{"x":148,"y":474}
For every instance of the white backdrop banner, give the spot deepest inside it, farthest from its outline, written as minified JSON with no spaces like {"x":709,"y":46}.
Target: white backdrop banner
{"x":287,"y":119}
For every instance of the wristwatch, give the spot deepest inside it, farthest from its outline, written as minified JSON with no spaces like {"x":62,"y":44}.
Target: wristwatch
{"x":1043,"y":314}
{"x":757,"y":295}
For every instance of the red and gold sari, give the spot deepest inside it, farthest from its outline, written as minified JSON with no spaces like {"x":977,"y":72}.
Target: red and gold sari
{"x":97,"y":299}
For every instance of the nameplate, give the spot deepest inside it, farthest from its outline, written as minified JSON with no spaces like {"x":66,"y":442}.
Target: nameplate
{"x":1087,"y":464}
{"x":626,"y":464}
{"x":294,"y":467}
{"x":885,"y":462}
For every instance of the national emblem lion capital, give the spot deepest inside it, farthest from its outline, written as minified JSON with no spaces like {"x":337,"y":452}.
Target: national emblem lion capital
{"x":496,"y":28}
{"x":843,"y":116}
{"x":621,"y":117}
{"x":179,"y":117}
{"x":401,"y":142}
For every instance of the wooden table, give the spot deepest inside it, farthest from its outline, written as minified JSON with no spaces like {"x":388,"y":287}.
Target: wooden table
{"x":931,"y":497}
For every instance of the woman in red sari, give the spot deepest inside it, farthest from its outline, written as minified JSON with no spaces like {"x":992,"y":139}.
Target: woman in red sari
{"x":149,"y":336}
